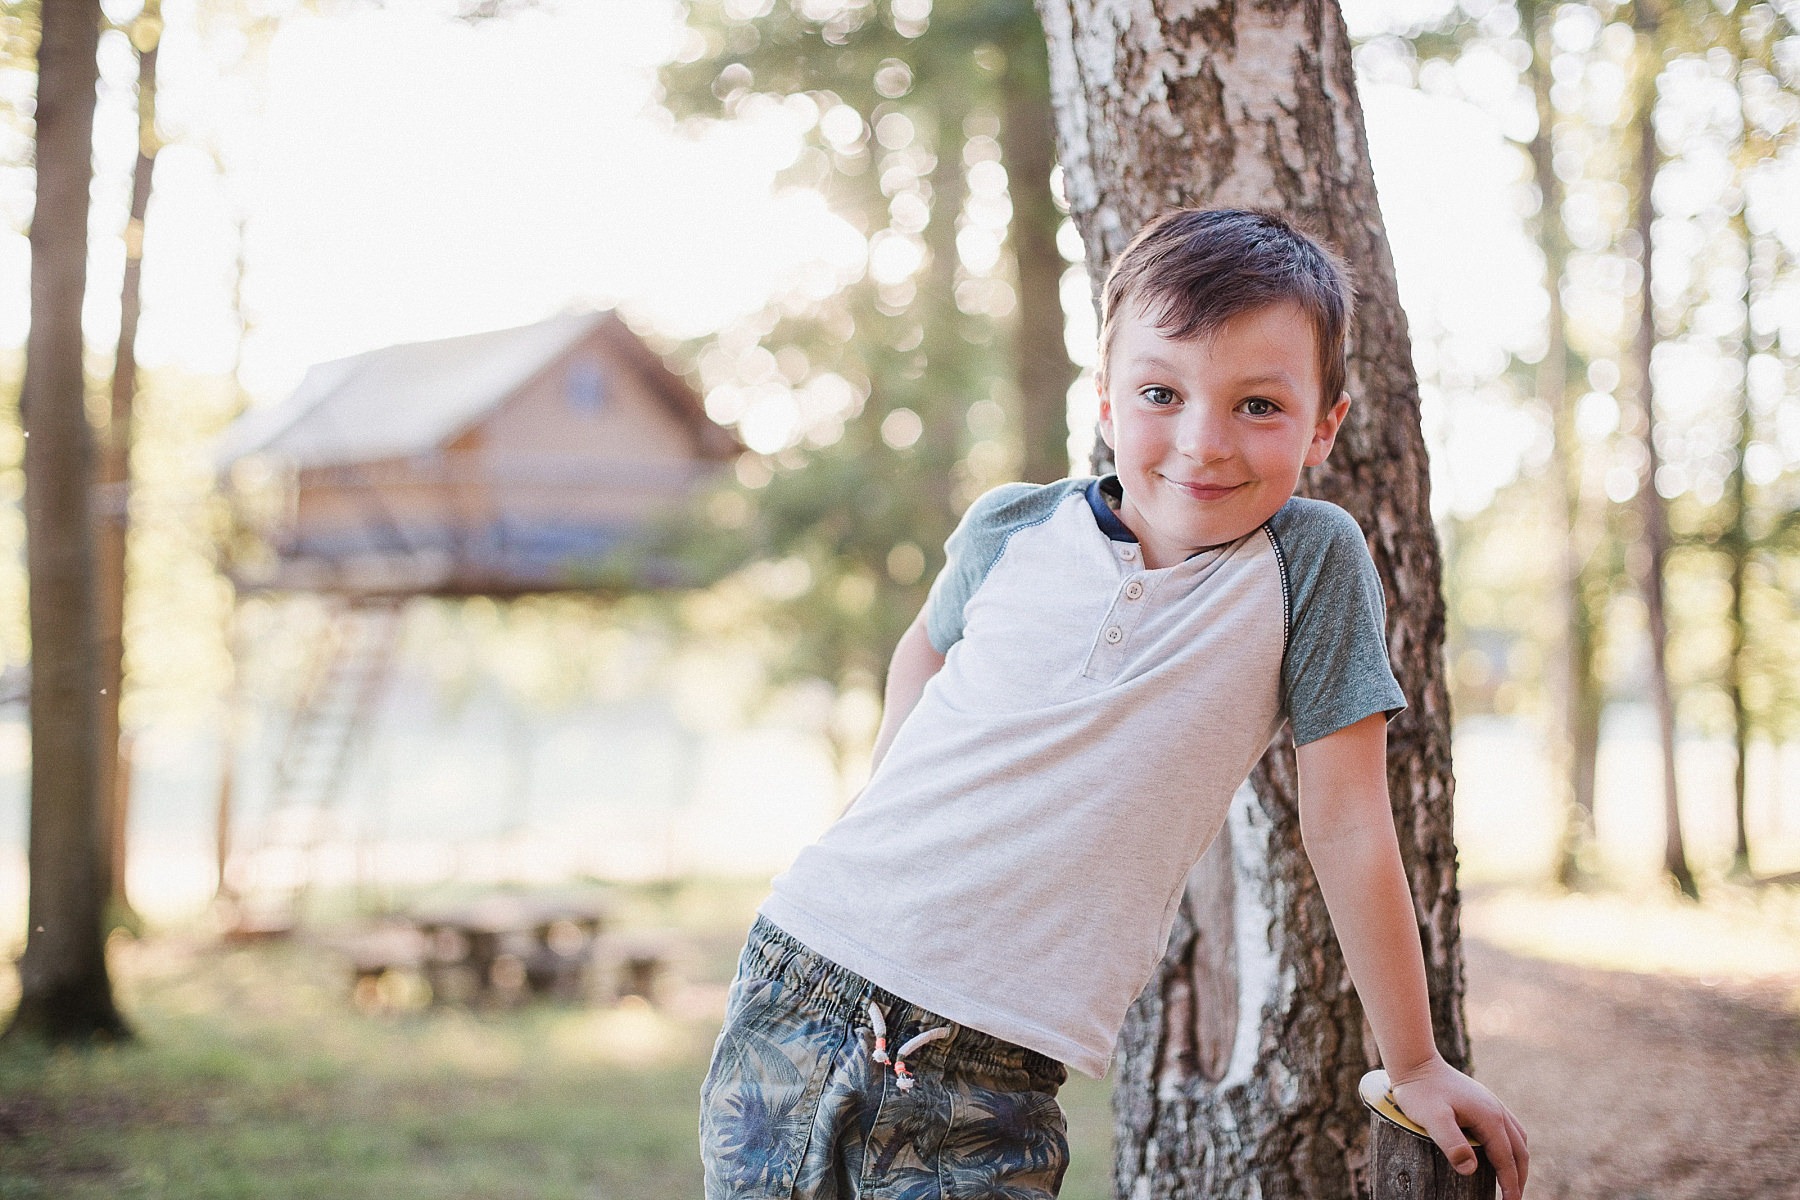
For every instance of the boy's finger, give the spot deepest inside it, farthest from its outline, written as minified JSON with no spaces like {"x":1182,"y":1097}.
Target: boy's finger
{"x":1521,"y":1151}
{"x":1517,"y":1128}
{"x":1442,"y":1127}
{"x":1502,"y":1151}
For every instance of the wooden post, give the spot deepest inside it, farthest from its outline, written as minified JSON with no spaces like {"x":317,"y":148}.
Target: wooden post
{"x":1405,"y":1164}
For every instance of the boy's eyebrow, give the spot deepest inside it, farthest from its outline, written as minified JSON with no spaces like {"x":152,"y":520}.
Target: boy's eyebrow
{"x":1281,"y":378}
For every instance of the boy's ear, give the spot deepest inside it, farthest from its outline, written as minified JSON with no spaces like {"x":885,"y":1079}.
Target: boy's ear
{"x":1106,"y":422}
{"x":1326,"y":431}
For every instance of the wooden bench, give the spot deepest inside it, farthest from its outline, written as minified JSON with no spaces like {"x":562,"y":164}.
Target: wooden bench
{"x":639,"y":964}
{"x":504,"y":948}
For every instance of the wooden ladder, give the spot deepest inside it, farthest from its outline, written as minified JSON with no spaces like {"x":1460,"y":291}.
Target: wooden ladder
{"x":274,"y":875}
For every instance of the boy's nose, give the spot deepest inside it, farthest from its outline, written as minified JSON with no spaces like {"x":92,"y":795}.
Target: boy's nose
{"x":1203,"y":436}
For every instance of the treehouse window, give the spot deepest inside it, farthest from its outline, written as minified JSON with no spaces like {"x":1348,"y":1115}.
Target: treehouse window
{"x":585,"y":388}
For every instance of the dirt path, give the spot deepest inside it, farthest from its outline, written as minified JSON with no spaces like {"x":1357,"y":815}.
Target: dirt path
{"x":1641,"y":1087}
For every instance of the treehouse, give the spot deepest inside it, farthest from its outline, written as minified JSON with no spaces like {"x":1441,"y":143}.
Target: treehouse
{"x":529,"y":460}
{"x":503,"y":463}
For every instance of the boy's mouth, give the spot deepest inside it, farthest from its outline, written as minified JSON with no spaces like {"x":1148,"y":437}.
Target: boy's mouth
{"x":1203,"y":491}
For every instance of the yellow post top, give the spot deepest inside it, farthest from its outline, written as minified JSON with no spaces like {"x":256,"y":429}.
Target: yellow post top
{"x":1378,"y":1097}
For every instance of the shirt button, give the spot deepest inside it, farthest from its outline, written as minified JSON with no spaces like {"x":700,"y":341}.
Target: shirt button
{"x":1114,"y":635}
{"x":1127,"y":552}
{"x":1133,"y":590}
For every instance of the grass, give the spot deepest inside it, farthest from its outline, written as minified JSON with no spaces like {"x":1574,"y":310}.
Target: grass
{"x":255,"y":1076}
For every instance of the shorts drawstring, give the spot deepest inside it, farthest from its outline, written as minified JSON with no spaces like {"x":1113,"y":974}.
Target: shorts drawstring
{"x":903,"y":1078}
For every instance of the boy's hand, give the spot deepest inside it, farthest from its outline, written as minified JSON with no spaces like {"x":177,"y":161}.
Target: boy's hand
{"x":1445,"y":1102}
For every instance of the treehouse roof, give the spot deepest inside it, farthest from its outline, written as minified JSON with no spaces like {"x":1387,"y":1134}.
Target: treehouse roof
{"x":417,"y":397}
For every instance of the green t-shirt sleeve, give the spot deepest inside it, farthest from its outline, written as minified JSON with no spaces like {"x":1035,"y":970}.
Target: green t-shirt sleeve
{"x":1336,"y":669}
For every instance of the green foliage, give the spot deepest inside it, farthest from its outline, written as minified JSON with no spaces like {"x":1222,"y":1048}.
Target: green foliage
{"x":896,"y":384}
{"x":1728,"y":96}
{"x":18,"y":34}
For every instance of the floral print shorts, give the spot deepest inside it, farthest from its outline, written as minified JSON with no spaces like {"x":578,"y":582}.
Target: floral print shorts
{"x":796,"y":1105}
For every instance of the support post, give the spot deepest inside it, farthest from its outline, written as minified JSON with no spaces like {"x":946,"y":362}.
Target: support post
{"x":1405,"y":1164}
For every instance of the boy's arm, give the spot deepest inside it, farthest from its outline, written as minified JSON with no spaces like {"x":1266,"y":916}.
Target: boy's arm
{"x":915,"y":661}
{"x":1348,"y":829}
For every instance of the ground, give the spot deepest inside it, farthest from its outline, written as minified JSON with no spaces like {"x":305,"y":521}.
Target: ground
{"x":1652,"y":1051}
{"x":1640,"y":1085}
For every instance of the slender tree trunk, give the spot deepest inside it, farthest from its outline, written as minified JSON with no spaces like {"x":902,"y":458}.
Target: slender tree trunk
{"x":225,"y":894}
{"x":1740,"y":547}
{"x":944,"y":421}
{"x":1576,"y":698}
{"x":1041,"y":360}
{"x":65,"y":994}
{"x":1740,"y":542}
{"x":1654,"y":511}
{"x":113,"y":506}
{"x":231,"y":726}
{"x":1240,"y":1060}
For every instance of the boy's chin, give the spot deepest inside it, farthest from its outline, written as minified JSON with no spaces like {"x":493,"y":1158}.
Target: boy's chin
{"x":1199,"y":539}
{"x":1227,"y":527}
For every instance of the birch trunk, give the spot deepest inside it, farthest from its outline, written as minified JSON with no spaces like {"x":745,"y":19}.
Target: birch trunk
{"x":1240,"y":1060}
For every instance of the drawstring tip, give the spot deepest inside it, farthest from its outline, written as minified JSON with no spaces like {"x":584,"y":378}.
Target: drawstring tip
{"x":903,"y":1078}
{"x":878,"y":1023}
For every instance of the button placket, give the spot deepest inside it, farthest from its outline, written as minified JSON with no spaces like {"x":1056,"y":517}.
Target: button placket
{"x":1128,"y":609}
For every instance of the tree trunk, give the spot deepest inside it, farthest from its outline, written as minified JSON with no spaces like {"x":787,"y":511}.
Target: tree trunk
{"x":65,"y":994}
{"x":1739,"y":545}
{"x":113,"y":506}
{"x":944,"y":417}
{"x":1654,"y":560}
{"x":1041,"y":360}
{"x":1740,"y":541}
{"x":1240,"y":1060}
{"x":1576,"y":696}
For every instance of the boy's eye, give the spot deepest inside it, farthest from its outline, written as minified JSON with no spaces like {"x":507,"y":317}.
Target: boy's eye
{"x":1158,"y":395}
{"x":1256,"y":406}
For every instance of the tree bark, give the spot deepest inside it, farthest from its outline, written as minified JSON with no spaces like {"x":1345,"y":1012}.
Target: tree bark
{"x":1197,"y":103}
{"x":65,"y":994}
{"x":113,"y":506}
{"x":1654,"y":512}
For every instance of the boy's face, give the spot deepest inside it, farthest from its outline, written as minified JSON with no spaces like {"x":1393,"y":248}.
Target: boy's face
{"x":1210,"y":434}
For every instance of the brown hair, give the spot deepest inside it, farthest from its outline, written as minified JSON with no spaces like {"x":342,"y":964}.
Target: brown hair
{"x":1191,"y":270}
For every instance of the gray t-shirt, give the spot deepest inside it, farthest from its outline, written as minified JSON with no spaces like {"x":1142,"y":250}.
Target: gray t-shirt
{"x":1016,"y":860}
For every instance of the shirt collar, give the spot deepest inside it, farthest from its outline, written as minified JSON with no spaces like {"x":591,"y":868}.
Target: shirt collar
{"x":1105,"y":492}
{"x":1098,"y":491}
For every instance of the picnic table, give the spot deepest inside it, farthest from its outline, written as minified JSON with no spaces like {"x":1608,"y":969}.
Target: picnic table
{"x":507,"y":948}
{"x":503,"y":947}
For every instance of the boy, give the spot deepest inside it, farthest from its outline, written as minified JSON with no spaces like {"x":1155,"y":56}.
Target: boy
{"x":1096,"y":670}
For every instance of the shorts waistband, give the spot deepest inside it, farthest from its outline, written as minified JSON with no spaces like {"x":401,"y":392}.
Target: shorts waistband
{"x":841,"y":994}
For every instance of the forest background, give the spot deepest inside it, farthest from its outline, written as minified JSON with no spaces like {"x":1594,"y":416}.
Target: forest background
{"x":845,"y":223}
{"x":754,"y":186}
